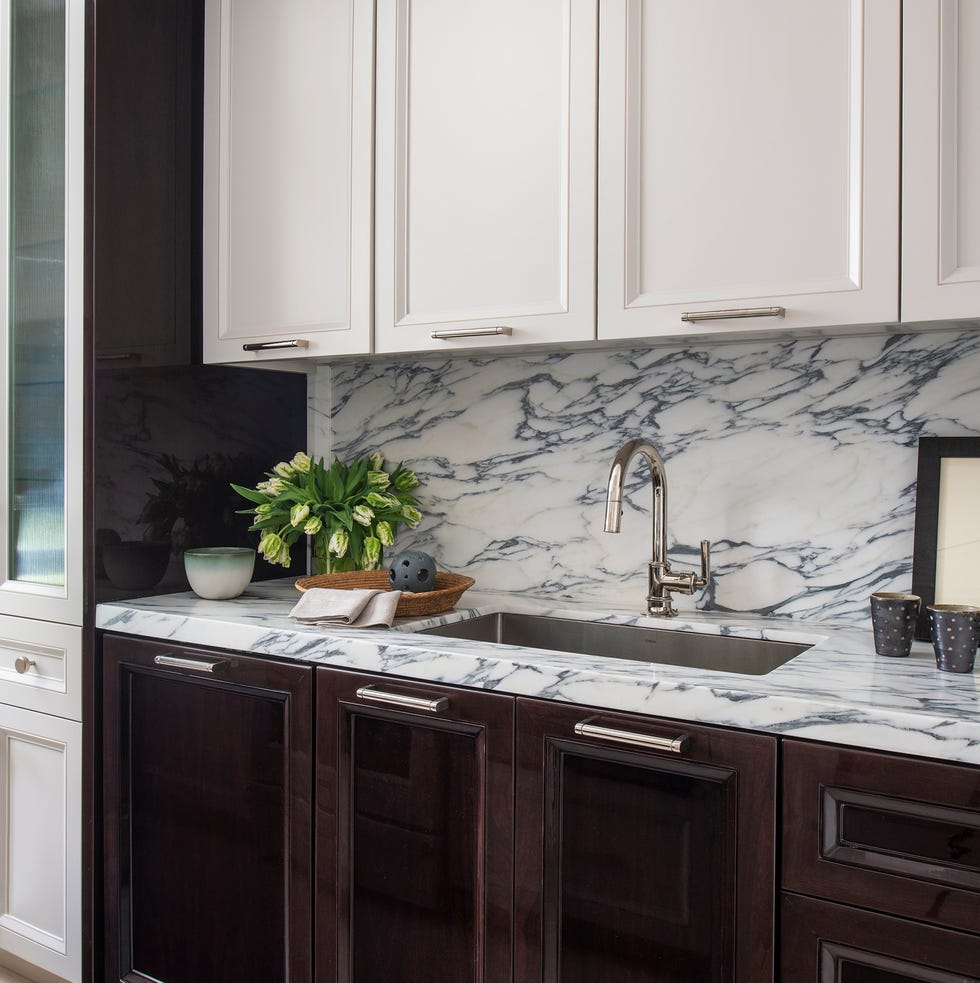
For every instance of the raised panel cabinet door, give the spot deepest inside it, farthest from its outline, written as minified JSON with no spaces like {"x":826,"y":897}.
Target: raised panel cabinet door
{"x":414,"y":832}
{"x":940,"y":160}
{"x":485,"y":189}
{"x":288,"y":138}
{"x":42,"y":184}
{"x":41,"y":844}
{"x":748,"y":165}
{"x":146,"y":240}
{"x":829,"y":943}
{"x":208,"y":783}
{"x":644,"y":849}
{"x":883,"y":831}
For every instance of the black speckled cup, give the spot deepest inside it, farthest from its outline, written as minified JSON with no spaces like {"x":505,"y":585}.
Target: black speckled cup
{"x":893,"y":618}
{"x":955,"y":632}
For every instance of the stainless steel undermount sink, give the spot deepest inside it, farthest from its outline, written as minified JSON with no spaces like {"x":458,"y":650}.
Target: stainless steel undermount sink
{"x":717,"y":653}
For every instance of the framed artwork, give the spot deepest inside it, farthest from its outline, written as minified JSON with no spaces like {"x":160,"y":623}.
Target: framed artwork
{"x":946,"y":555}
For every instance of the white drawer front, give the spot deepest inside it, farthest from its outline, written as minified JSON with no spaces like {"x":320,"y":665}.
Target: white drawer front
{"x":40,"y":666}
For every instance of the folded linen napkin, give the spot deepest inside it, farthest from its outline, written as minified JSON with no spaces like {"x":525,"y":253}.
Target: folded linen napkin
{"x":362,"y":608}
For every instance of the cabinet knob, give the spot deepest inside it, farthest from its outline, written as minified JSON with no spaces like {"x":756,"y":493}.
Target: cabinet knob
{"x":22,"y":664}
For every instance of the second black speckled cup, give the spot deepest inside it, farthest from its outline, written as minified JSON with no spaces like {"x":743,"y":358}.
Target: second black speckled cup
{"x":955,"y":631}
{"x":893,"y":618}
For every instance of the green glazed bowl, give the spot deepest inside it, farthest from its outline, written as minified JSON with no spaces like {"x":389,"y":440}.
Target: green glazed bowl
{"x":218,"y":573}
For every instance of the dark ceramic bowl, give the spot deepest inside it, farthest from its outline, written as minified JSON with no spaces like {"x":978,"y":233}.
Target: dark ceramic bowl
{"x":133,"y":565}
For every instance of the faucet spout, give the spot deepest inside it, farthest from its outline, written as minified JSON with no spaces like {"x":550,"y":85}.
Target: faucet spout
{"x":661,"y":580}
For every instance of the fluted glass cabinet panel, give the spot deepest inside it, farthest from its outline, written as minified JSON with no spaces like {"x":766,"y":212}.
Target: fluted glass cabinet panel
{"x":42,"y":346}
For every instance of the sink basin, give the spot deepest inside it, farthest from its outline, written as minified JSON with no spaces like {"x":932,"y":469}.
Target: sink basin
{"x":718,"y":653}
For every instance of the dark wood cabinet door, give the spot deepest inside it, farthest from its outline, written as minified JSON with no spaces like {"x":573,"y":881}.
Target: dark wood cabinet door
{"x":881,"y":831}
{"x":147,"y":176}
{"x":208,"y":783}
{"x":639,"y":865}
{"x":829,"y":943}
{"x":414,"y":832}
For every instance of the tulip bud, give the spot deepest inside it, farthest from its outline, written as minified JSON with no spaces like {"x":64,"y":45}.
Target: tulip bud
{"x":339,"y":542}
{"x":363,"y":515}
{"x":372,"y":552}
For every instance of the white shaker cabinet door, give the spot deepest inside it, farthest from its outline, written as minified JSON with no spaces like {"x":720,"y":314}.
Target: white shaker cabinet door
{"x":40,"y":849}
{"x":485,"y":187}
{"x":941,"y":160}
{"x":748,"y":162}
{"x":287,"y":210}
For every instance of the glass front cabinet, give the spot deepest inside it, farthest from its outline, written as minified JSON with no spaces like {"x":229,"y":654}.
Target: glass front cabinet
{"x":43,"y":129}
{"x":42,"y":46}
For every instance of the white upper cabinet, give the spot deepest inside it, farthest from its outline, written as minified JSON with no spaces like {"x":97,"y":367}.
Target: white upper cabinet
{"x":288,"y":137}
{"x":941,"y":160}
{"x":748,"y":161}
{"x":485,"y":186}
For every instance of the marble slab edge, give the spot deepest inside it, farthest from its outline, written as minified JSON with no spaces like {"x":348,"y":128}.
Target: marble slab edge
{"x":838,"y":691}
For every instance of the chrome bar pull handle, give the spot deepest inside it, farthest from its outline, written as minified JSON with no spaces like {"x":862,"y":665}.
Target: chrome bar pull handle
{"x":451,"y":333}
{"x":22,"y":664}
{"x":438,"y":705}
{"x":270,"y":346}
{"x":676,"y":745}
{"x":736,"y":312}
{"x":198,"y":665}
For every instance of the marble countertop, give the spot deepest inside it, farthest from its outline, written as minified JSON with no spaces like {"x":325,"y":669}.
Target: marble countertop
{"x":838,"y":691}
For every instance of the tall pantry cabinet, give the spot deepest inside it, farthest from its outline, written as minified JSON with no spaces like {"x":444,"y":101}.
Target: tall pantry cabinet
{"x":42,"y":46}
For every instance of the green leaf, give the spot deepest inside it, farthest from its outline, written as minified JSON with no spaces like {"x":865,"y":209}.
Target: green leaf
{"x":251,"y":494}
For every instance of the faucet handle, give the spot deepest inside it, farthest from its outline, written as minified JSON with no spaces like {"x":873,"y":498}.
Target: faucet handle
{"x":705,"y":578}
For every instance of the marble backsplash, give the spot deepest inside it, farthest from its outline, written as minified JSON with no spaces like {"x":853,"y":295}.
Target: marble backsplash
{"x":797,"y":458}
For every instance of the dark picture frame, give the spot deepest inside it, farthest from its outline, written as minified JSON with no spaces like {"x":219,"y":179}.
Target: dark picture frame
{"x":932,"y":451}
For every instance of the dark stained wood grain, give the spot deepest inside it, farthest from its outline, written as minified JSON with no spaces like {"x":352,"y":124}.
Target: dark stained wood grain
{"x":208,"y":787}
{"x":882,"y":831}
{"x":637,"y":866}
{"x":146,"y":232}
{"x":414,"y":835}
{"x":830,"y":943}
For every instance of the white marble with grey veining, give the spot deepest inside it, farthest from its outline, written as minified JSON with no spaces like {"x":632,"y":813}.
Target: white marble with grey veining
{"x":837,"y":691}
{"x":797,"y":458}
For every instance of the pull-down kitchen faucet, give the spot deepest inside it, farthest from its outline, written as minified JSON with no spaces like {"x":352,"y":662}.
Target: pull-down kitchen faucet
{"x":661,"y":580}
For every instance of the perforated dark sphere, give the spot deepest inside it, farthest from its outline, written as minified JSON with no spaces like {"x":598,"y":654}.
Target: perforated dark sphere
{"x":413,"y":571}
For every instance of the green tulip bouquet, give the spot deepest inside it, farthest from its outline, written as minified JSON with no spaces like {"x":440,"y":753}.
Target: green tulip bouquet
{"x":351,"y":511}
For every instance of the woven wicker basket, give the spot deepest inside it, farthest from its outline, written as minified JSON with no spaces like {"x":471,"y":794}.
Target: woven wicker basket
{"x":449,"y":589}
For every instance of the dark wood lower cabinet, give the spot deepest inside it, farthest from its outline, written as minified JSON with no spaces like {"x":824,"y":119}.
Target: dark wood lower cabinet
{"x":464,"y":836}
{"x":208,"y":784}
{"x":830,"y":943}
{"x":414,"y":832}
{"x":638,"y":864}
{"x":881,"y":831}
